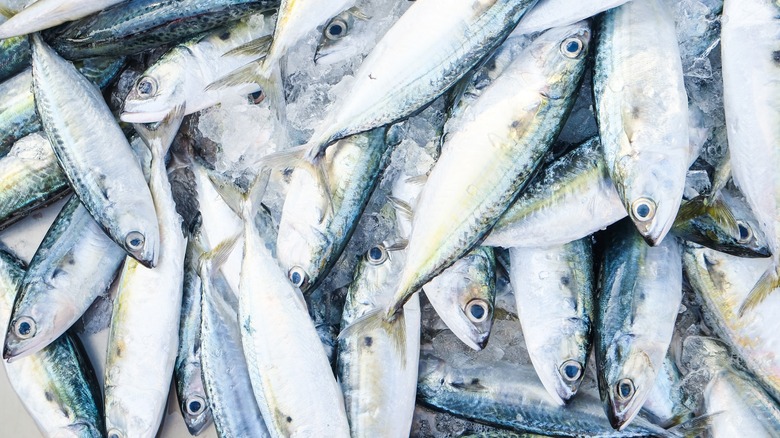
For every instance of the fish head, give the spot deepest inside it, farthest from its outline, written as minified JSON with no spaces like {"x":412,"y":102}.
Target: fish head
{"x":155,"y":93}
{"x":196,"y":412}
{"x":32,"y":327}
{"x":629,"y":379}
{"x":562,"y":53}
{"x":143,"y":241}
{"x":470,"y":282}
{"x":135,"y":413}
{"x":750,"y":240}
{"x":342,"y":37}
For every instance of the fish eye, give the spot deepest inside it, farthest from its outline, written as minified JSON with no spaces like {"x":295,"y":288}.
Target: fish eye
{"x":256,"y":97}
{"x":572,"y":47}
{"x":196,"y":405}
{"x":146,"y":86}
{"x":376,"y":255}
{"x":134,"y":241}
{"x":643,"y":209}
{"x":477,"y":310}
{"x":297,"y":276}
{"x":624,"y":389}
{"x":745,"y":232}
{"x":24,"y":327}
{"x":115,"y":433}
{"x":571,"y":370}
{"x":336,"y":29}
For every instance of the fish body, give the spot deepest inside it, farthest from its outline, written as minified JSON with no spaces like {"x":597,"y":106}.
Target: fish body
{"x":313,"y":231}
{"x":555,"y":13}
{"x":141,"y":356}
{"x":642,"y":110}
{"x":99,"y":164}
{"x":56,"y":385}
{"x":14,"y":56}
{"x":75,"y":264}
{"x":639,"y":297}
{"x":44,"y":14}
{"x":555,"y":302}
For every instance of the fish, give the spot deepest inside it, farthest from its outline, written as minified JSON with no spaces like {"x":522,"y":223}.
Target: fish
{"x":137,"y":25}
{"x":339,"y":36}
{"x":518,"y":117}
{"x":44,"y":14}
{"x":56,"y":385}
{"x":749,"y":35}
{"x":554,"y":291}
{"x":271,"y":309}
{"x":141,"y":356}
{"x":225,"y":372}
{"x":184,"y":71}
{"x":639,"y":298}
{"x":17,"y":110}
{"x":31,"y":179}
{"x":642,"y":111}
{"x":556,"y":13}
{"x":107,"y":179}
{"x":75,"y":264}
{"x":194,"y":404}
{"x":14,"y":56}
{"x":722,"y":282}
{"x":313,"y":231}
{"x":738,"y":405}
{"x":665,"y":405}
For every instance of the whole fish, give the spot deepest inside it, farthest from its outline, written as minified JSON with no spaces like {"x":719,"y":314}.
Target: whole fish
{"x":187,"y":371}
{"x":489,"y":160}
{"x":738,"y":405}
{"x":141,"y":356}
{"x":432,"y":45}
{"x":292,"y":379}
{"x":30,"y":178}
{"x":639,"y":297}
{"x":44,"y":14}
{"x":555,"y":298}
{"x":98,"y":163}
{"x":137,"y":25}
{"x":722,"y":282}
{"x":510,"y":395}
{"x":181,"y":75}
{"x":313,"y":230}
{"x":57,"y":385}
{"x":75,"y":263}
{"x":17,"y":110}
{"x":642,"y":109}
{"x":225,"y":372}
{"x":749,"y":38}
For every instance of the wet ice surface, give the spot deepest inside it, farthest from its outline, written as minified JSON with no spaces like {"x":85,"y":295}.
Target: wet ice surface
{"x":233,"y":136}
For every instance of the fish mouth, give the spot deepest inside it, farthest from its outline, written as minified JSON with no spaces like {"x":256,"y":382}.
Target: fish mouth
{"x":143,"y":117}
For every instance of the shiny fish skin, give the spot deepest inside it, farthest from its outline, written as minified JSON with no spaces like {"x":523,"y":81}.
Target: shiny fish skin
{"x":225,"y":373}
{"x":313,"y":231}
{"x":665,"y":405}
{"x":14,"y":56}
{"x":30,"y":178}
{"x":44,"y":14}
{"x":137,"y":382}
{"x":750,"y":34}
{"x":291,"y":376}
{"x":554,"y":291}
{"x":639,"y":297}
{"x":182,"y":74}
{"x":642,"y":110}
{"x":99,"y":164}
{"x":17,"y":109}
{"x":138,"y":25}
{"x":722,"y":282}
{"x":511,"y":396}
{"x":512,"y":124}
{"x":57,"y":385}
{"x":187,"y":372}
{"x":75,"y":263}
{"x":556,"y":13}
{"x":393,"y":81}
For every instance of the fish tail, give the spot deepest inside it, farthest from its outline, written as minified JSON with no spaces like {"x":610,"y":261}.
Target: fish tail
{"x":161,"y":134}
{"x":711,"y":207}
{"x":694,"y":427}
{"x":391,"y":322}
{"x":765,"y":285}
{"x":211,"y":261}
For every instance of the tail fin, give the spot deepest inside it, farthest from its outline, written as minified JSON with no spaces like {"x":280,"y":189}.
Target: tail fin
{"x":765,"y":286}
{"x":394,"y":326}
{"x":211,"y":261}
{"x":694,"y":427}
{"x":722,"y":176}
{"x":158,"y":137}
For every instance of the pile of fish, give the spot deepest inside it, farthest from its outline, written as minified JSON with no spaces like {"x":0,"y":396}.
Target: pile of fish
{"x":377,"y":218}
